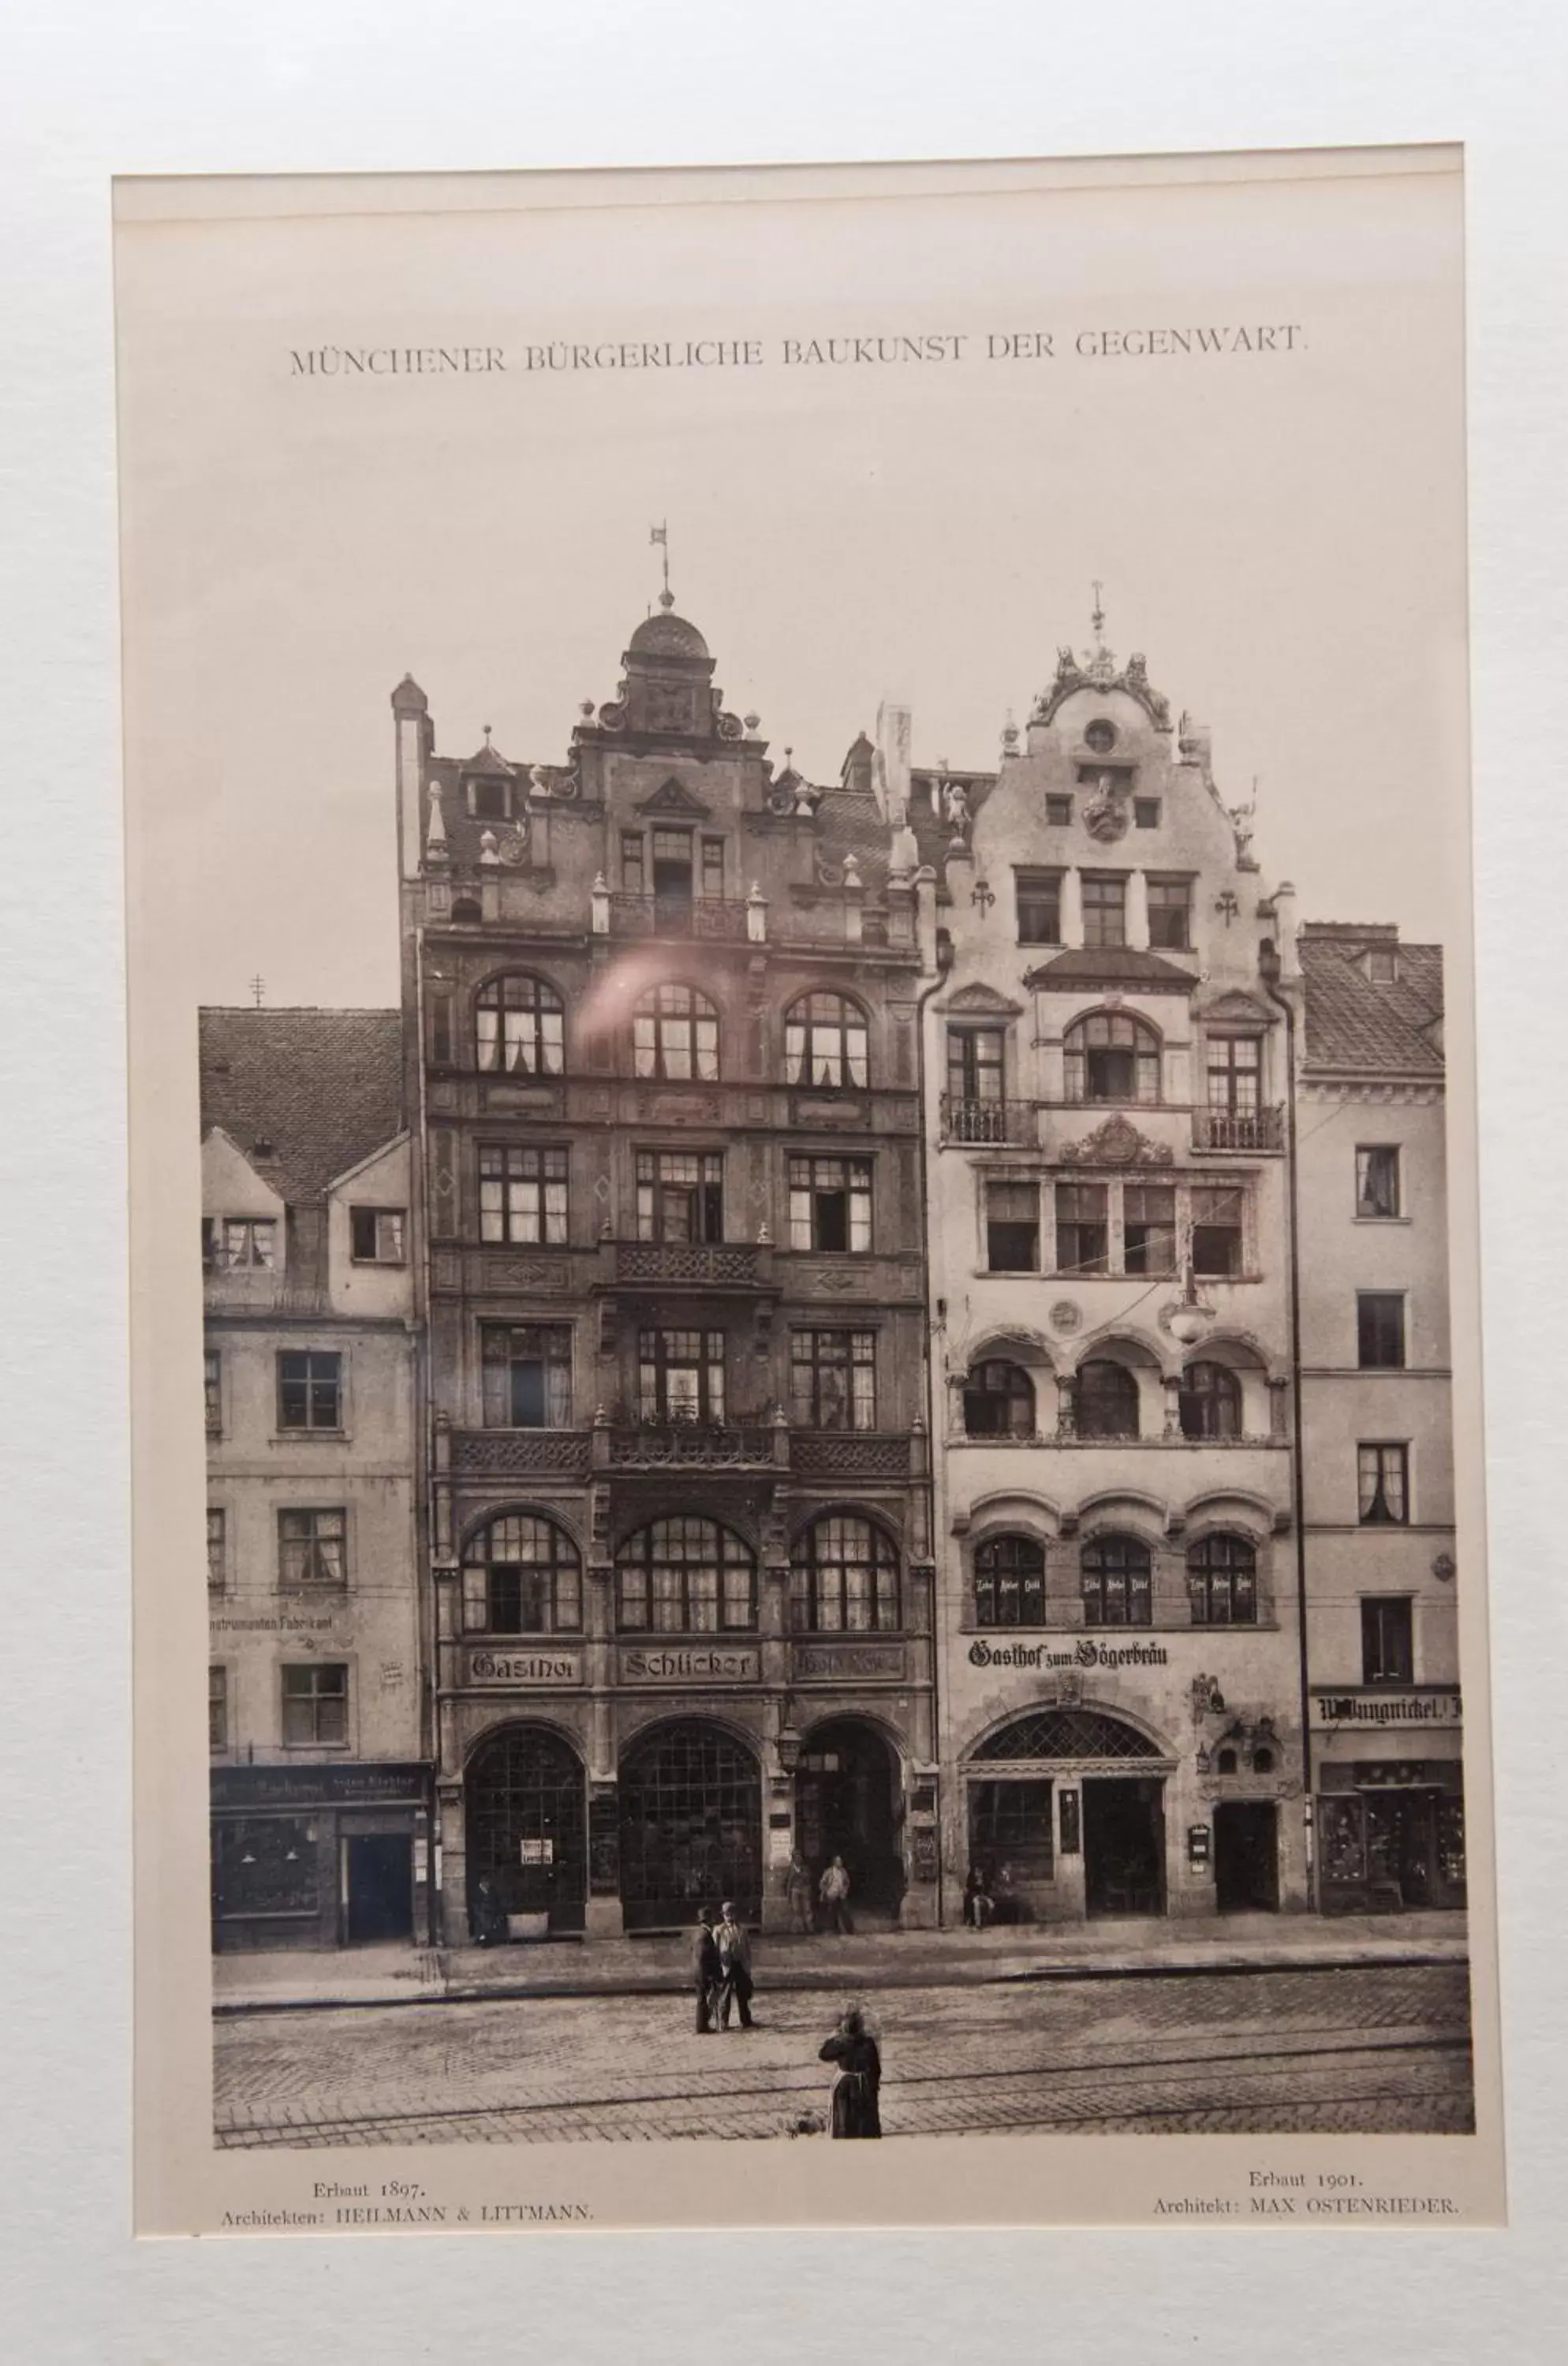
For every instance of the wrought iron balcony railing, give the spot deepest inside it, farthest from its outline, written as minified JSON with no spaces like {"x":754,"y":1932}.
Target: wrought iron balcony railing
{"x":1262,"y":1129}
{"x":1004,"y":1121}
{"x":696,"y":1445}
{"x":508,"y":1453}
{"x":848,"y":1454}
{"x":676,"y":916}
{"x":683,"y":1264}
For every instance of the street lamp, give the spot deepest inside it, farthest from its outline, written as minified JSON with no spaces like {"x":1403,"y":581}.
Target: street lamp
{"x":1190,"y":1319}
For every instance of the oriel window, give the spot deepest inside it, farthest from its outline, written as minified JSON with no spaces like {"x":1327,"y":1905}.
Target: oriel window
{"x":312,"y":1548}
{"x":520,"y":1027}
{"x":310,"y":1388}
{"x":523,"y":1193}
{"x":680,"y":1376}
{"x":675,"y":1036}
{"x":1377,"y":1179}
{"x":832,"y":1377}
{"x":526,"y":1369}
{"x":1218,"y":1226}
{"x":1114,"y":1571}
{"x":1149,"y":1228}
{"x":1382,"y":1476}
{"x":825,"y":1043}
{"x":1010,"y":1582}
{"x":829,"y":1203}
{"x":1083,"y":1231}
{"x":1013,"y":1227}
{"x":315,"y":1705}
{"x":680,"y":1195}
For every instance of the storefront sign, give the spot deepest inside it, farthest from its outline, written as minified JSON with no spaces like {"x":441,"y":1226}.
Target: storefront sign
{"x":529,"y":1668}
{"x":1081,"y":1655}
{"x":845,"y":1659}
{"x":291,"y":1787}
{"x":1389,"y":1708}
{"x":695,"y":1663}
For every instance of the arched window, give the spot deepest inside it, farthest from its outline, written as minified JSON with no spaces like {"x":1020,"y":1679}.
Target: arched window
{"x":1210,"y":1402}
{"x":1115,"y":1572}
{"x":1111,"y":1057}
{"x":825,"y":1042}
{"x":676,"y":1035}
{"x":520,"y":1027}
{"x":1263,"y":1761}
{"x":1010,"y":1582}
{"x":521,"y":1577}
{"x":1222,"y":1578}
{"x":998,"y":1402}
{"x":843,"y":1575}
{"x":1105,"y":1400}
{"x":686,"y":1577}
{"x":1225,"y":1763}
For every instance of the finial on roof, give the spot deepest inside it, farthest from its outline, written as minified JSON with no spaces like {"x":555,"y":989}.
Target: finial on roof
{"x":486,"y":734}
{"x":1102,"y":665}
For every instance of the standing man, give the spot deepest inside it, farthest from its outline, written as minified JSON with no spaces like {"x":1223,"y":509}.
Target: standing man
{"x":704,"y":1970}
{"x":735,"y":1968}
{"x":835,"y":1895}
{"x":797,"y":1890}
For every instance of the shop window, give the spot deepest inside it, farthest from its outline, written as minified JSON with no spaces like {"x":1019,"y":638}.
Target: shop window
{"x":680,"y":1195}
{"x":1149,"y":1228}
{"x":217,"y":1708}
{"x":1235,"y":1075}
{"x":239,"y":1243}
{"x":1010,"y":1582}
{"x":310,"y":1388}
{"x":1383,"y":1484}
{"x":1039,"y":900}
{"x":1010,"y":1823}
{"x":675,"y":1036}
{"x":686,"y":1577}
{"x":680,"y":1376}
{"x":1380,"y":1329}
{"x":1105,"y":1400}
{"x":1377,"y":1179}
{"x":265,"y":1865}
{"x":1013,"y":1227}
{"x":1108,"y":1057}
{"x":1083,"y":1228}
{"x":998,"y":1402}
{"x":1221,"y":1581}
{"x":520,"y":1027}
{"x":825,"y":1043}
{"x":1218,"y":1234}
{"x":213,"y":1391}
{"x":832,"y":1379}
{"x":312,"y":1548}
{"x":217,"y":1548}
{"x":1104,"y":912}
{"x":376,"y":1235}
{"x":315,"y":1705}
{"x":1210,"y":1402}
{"x":1170,"y":915}
{"x":1388,"y":1655}
{"x":829,"y":1203}
{"x":522,"y":1194}
{"x":526,"y":1375}
{"x":843,"y":1578}
{"x":522,"y":1575}
{"x":1115,"y":1574}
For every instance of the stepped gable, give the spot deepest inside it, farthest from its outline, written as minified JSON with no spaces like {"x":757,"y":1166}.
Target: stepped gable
{"x":1356,"y":1026}
{"x":324,"y":1088}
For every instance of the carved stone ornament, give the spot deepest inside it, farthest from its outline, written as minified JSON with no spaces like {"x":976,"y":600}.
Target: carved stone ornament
{"x":1117,"y":1142}
{"x":1065,"y":1316}
{"x":1105,"y":815}
{"x":514,"y":848}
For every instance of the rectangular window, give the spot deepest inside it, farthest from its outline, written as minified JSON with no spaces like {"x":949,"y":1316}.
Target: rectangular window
{"x":315,"y":1705}
{"x":1382,"y":1478}
{"x":526,"y":1373}
{"x":522,"y":1194}
{"x":1388,"y":1655}
{"x":1013,"y":1227}
{"x":1170,"y":909}
{"x":1083,"y":1230}
{"x":490,"y":800}
{"x":1218,"y":1227}
{"x":1149,"y":1228}
{"x":829,"y":1203}
{"x":1010,"y":1823}
{"x":217,"y":1548}
{"x":310,"y":1388}
{"x":212,"y":1386}
{"x":1234,"y":1073}
{"x":1058,"y":812}
{"x":1145,"y":813}
{"x":631,"y":863}
{"x":1380,"y":1329}
{"x":1039,"y":895}
{"x":239,"y":1243}
{"x":1377,"y":1179}
{"x":376,"y":1235}
{"x":1383,"y":965}
{"x":680,"y":1376}
{"x":713,"y":868}
{"x":680,"y":1195}
{"x":312,"y":1548}
{"x":975,"y":1066}
{"x":832,"y":1379}
{"x":1104,"y":911}
{"x":217,"y":1708}
{"x":441,"y":1029}
{"x":672,"y":871}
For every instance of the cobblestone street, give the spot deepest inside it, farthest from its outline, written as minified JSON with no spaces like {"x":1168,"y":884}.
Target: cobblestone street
{"x":1372,"y":2049}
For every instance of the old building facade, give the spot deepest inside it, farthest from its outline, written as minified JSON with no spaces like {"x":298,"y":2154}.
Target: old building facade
{"x":320,"y":1778}
{"x":660,"y":1035}
{"x":1106,"y":1055}
{"x":1377,"y":1443}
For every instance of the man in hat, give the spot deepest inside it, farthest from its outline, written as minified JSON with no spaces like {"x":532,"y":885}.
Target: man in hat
{"x":705,"y":1969}
{"x":735,"y":1968}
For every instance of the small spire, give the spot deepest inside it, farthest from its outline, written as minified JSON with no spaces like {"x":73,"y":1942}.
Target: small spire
{"x":661,"y":535}
{"x":1102,"y":665}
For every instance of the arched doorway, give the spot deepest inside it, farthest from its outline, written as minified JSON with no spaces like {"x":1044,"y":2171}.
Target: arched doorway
{"x":1065,"y":1782}
{"x":527,"y":1824}
{"x":690,"y":1805}
{"x":847,"y":1794}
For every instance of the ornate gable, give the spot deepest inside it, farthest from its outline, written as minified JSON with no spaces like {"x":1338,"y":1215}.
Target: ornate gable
{"x":674,"y":797}
{"x":980,"y":1002}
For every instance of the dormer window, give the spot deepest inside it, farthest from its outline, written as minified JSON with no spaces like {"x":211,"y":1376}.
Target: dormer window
{"x":490,"y":800}
{"x":1383,"y":965}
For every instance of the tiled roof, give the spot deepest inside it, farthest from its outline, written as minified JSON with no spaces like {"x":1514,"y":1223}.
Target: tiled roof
{"x":847,"y":824}
{"x":1111,"y":966}
{"x":324,"y":1088}
{"x":1353,"y":1025}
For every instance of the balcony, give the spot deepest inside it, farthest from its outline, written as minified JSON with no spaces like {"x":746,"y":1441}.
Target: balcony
{"x":994,"y":1121}
{"x":707,"y":917}
{"x":518,"y":1453}
{"x":850,"y":1454}
{"x":1253,"y":1130}
{"x":688,"y":1264}
{"x":691,"y":1445}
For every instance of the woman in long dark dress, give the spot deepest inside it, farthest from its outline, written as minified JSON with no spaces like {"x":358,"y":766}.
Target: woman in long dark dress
{"x":855,"y":2109}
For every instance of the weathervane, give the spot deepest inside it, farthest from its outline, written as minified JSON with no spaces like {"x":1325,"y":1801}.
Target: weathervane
{"x":258,"y":988}
{"x":660,"y":535}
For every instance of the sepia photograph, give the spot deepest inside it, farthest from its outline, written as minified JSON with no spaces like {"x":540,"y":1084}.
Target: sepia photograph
{"x":798,"y":843}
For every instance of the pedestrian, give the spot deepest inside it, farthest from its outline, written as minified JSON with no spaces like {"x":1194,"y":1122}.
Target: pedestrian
{"x":735,"y":1968}
{"x":798,"y":1891}
{"x":977,"y":1899}
{"x":834,"y":1892}
{"x":489,"y":1915}
{"x":704,"y":1970}
{"x":856,"y":2110}
{"x":1008,"y":1904}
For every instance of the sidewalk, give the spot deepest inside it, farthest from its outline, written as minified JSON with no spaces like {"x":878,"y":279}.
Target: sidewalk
{"x":287,"y":1981}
